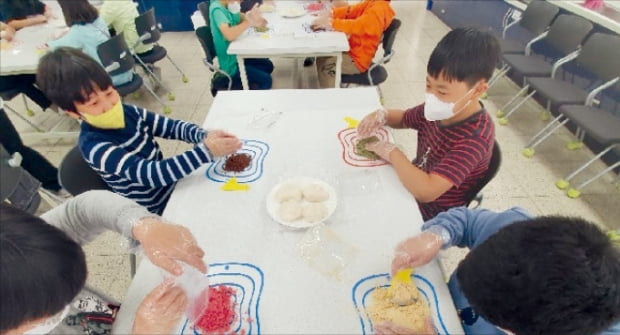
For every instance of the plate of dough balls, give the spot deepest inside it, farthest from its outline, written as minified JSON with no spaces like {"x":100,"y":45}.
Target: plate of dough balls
{"x":301,"y":202}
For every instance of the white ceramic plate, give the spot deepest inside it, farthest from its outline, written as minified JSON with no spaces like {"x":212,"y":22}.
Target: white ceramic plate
{"x":293,"y":11}
{"x":273,"y":205}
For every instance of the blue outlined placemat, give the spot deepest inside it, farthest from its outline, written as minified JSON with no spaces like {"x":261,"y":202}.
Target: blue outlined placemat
{"x":256,"y":149}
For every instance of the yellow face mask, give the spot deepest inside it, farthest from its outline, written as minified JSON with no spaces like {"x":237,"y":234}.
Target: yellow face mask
{"x":111,"y":119}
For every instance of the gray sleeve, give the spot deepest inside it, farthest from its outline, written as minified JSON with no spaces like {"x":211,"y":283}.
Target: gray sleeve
{"x":89,"y":214}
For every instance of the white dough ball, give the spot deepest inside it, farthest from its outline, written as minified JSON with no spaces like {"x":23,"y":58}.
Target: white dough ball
{"x":290,"y":210}
{"x":314,"y":212}
{"x":315,"y":193}
{"x":288,"y":192}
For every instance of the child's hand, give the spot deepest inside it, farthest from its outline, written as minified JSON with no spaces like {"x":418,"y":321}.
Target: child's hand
{"x":161,"y":311}
{"x":323,"y":21}
{"x":382,"y":148}
{"x":371,"y":122}
{"x":221,"y":143}
{"x":38,"y":19}
{"x":416,"y":251}
{"x":389,"y":328}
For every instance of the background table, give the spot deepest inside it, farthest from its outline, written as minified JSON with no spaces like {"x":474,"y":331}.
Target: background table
{"x":374,"y":213}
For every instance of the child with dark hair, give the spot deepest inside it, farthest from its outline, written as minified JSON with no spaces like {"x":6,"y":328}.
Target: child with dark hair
{"x":44,"y":269}
{"x":524,"y":275}
{"x":24,"y":13}
{"x":86,"y":31}
{"x":118,"y":141}
{"x":455,"y":133}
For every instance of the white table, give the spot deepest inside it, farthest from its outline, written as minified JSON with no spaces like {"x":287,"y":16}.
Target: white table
{"x":235,"y":226}
{"x":22,"y":55}
{"x":286,"y":38}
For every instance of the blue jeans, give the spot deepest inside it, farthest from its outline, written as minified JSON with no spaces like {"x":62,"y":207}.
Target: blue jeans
{"x":258,"y":71}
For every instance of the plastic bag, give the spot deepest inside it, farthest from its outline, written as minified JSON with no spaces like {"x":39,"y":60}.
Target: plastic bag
{"x":196,"y":287}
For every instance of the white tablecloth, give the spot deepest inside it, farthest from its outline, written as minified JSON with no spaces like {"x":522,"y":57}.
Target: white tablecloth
{"x":282,"y":293}
{"x":22,"y":56}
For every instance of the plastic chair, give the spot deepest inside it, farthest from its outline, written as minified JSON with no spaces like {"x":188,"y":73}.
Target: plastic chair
{"x":117,"y":58}
{"x":377,"y":74}
{"x":203,"y":8}
{"x":12,"y":93}
{"x":149,"y":32}
{"x":565,"y":37}
{"x":221,"y":79}
{"x":77,"y":177}
{"x":475,"y":195}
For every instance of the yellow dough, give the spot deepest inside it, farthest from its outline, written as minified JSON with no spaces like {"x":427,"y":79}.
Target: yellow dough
{"x":382,"y":307}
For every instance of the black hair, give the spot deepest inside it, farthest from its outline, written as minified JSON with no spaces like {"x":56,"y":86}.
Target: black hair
{"x":68,"y":75}
{"x":78,"y":12}
{"x":548,"y":275}
{"x":464,"y":54}
{"x":42,"y":268}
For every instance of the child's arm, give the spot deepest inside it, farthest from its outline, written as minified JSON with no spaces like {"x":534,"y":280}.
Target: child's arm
{"x":425,"y":187}
{"x":165,"y":127}
{"x":361,"y":19}
{"x":27,"y":22}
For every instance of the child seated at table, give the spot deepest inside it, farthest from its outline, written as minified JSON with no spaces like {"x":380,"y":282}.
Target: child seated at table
{"x":86,"y":31}
{"x":524,"y":275}
{"x":227,"y":24}
{"x":44,"y":268}
{"x":455,"y":133}
{"x":121,"y":15}
{"x":118,"y":141}
{"x":24,"y":13}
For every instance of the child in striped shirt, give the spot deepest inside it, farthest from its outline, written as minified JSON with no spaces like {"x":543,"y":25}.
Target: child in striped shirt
{"x":117,"y":140}
{"x":455,"y":133}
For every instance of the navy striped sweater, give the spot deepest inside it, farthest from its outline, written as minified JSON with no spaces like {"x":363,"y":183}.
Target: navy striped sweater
{"x":130,"y":161}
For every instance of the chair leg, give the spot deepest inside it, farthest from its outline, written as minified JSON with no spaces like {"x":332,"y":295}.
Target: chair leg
{"x":498,"y":75}
{"x":381,"y":97}
{"x":29,"y":111}
{"x":132,"y":264}
{"x":166,"y":108}
{"x":24,"y":119}
{"x":500,"y":112}
{"x":148,"y":70}
{"x":564,"y":183}
{"x":543,"y":134}
{"x":184,"y":77}
{"x":576,"y":191}
{"x":52,"y":199}
{"x":504,"y":121}
{"x":578,"y":143}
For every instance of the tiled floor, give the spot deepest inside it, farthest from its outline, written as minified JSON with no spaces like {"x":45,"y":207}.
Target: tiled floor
{"x":521,"y":182}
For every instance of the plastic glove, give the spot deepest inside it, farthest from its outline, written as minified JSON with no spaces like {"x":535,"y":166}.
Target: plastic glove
{"x":416,"y":251}
{"x":389,"y":328}
{"x":254,"y":17}
{"x":160,"y":311}
{"x":382,"y":148}
{"x":371,"y":122}
{"x":323,"y":21}
{"x":165,"y":244}
{"x":222,"y":143}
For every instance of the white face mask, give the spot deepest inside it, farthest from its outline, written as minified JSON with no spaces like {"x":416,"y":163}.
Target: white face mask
{"x":49,"y":324}
{"x":436,"y":110}
{"x":234,"y":7}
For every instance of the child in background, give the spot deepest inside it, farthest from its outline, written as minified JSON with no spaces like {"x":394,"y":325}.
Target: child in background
{"x":24,"y":13}
{"x":121,"y":15}
{"x":118,"y":141}
{"x":523,"y":275}
{"x":227,"y":24}
{"x":86,"y":31}
{"x":455,"y":133}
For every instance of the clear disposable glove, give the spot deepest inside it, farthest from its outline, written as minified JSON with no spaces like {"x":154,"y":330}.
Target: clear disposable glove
{"x":322,"y":21}
{"x":255,"y":18}
{"x":166,"y":244}
{"x":416,"y":251}
{"x":371,"y":122}
{"x":382,"y":148}
{"x":389,"y":328}
{"x":161,"y":310}
{"x":222,"y":143}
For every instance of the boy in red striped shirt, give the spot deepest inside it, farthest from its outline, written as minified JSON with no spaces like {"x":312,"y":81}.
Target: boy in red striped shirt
{"x":455,"y":133}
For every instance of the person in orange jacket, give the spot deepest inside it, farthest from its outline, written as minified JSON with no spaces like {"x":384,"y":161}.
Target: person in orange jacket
{"x":364,"y":24}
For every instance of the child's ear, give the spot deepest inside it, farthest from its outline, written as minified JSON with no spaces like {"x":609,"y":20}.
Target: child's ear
{"x":482,"y":87}
{"x":74,"y":115}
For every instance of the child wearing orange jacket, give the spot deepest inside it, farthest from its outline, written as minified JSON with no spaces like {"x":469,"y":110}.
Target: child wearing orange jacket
{"x":364,"y":24}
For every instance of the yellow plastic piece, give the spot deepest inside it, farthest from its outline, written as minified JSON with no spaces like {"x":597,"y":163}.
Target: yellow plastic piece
{"x":233,"y":185}
{"x":500,"y":113}
{"x":167,"y":110}
{"x":528,"y":152}
{"x":185,"y":79}
{"x":403,"y":276}
{"x":171,"y":96}
{"x":574,"y":145}
{"x":545,"y":116}
{"x":573,"y":193}
{"x":562,"y":184}
{"x":29,"y":112}
{"x":614,"y":236}
{"x":351,"y":122}
{"x":503,"y":121}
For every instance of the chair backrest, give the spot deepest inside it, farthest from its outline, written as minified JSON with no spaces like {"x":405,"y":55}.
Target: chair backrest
{"x":76,"y":176}
{"x":567,"y":33}
{"x":600,"y":55}
{"x":203,"y":7}
{"x":146,"y":25}
{"x":115,"y":51}
{"x":389,"y":36}
{"x":494,"y":164}
{"x":538,"y":16}
{"x":206,"y":41}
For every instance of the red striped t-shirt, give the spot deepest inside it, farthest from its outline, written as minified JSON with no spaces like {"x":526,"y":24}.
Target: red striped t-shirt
{"x":459,"y":152}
